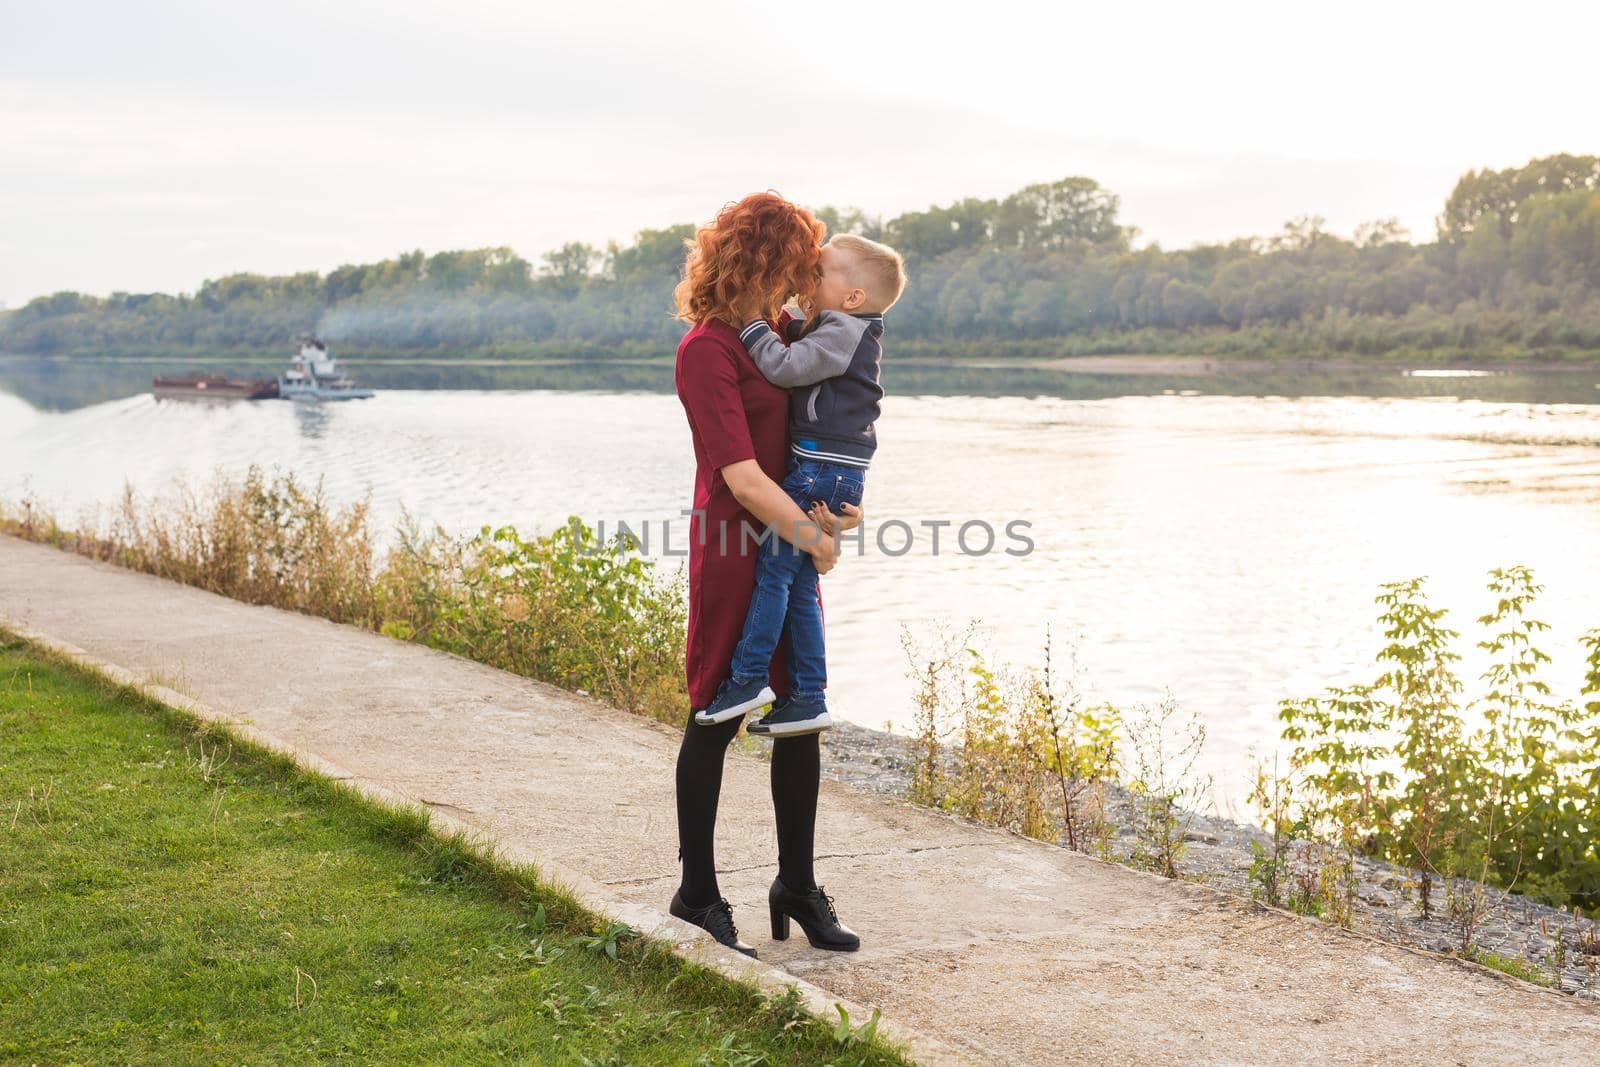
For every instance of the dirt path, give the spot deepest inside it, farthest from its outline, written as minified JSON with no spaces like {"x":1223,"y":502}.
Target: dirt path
{"x":1001,"y":948}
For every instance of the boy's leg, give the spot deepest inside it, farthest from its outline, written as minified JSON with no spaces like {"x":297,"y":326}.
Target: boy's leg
{"x":769,"y":606}
{"x":776,"y":570}
{"x":746,"y":688}
{"x":808,"y":659}
{"x":833,"y":486}
{"x":806,"y":711}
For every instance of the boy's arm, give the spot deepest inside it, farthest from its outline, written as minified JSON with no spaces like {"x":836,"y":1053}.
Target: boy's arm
{"x":825,"y":352}
{"x":791,"y":324}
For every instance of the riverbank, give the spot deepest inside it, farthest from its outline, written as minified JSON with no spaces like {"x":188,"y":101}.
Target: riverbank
{"x":1005,"y":948}
{"x":1220,"y":853}
{"x":1560,"y":949}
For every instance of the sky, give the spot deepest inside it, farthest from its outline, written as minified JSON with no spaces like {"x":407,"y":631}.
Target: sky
{"x":151,"y":146}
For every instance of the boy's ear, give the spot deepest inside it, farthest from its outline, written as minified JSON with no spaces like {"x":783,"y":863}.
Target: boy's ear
{"x":854,"y":299}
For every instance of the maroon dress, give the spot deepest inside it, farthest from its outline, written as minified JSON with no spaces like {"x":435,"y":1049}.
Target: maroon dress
{"x":734,"y":414}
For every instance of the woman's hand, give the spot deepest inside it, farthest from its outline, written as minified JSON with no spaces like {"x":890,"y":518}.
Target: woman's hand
{"x":766,"y":500}
{"x":824,"y":553}
{"x":833,"y":525}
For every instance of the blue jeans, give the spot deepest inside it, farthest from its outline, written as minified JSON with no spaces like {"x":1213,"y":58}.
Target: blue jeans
{"x":786,"y":585}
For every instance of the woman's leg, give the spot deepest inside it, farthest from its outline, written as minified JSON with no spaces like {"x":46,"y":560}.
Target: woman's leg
{"x":700,"y":759}
{"x":796,"y":776}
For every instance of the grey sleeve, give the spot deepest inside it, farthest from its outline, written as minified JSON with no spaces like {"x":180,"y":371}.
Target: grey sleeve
{"x":825,"y":352}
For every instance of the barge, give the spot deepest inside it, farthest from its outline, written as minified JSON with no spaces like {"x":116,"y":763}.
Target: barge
{"x":217,"y":385}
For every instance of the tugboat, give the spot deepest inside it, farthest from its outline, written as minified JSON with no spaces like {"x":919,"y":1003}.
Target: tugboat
{"x":315,"y":375}
{"x":214,"y":385}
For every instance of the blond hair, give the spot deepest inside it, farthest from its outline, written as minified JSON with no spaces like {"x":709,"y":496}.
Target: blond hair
{"x":878,"y":269}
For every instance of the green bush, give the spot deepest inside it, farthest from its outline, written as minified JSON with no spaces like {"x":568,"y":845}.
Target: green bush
{"x":563,"y":608}
{"x":1504,"y":788}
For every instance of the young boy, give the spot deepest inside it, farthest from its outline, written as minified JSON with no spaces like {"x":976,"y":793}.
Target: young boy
{"x":830,"y":367}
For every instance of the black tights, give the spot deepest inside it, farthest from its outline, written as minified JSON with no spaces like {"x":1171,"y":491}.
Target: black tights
{"x":796,"y":770}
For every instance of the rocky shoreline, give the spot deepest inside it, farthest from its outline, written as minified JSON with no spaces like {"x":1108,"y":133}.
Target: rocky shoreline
{"x":1562,"y":948}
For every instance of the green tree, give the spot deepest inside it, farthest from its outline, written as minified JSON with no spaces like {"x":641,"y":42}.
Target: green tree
{"x":928,"y":234}
{"x":567,"y":268}
{"x":654,"y":256}
{"x":850,"y":220}
{"x":1055,"y":214}
{"x":1380,"y":233}
{"x":1484,"y":257}
{"x":1500,"y":193}
{"x":1045,"y":270}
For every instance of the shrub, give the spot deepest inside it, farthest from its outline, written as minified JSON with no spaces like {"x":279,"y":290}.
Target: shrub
{"x":563,"y":608}
{"x":263,"y":540}
{"x":1165,"y":743}
{"x":1002,"y":746}
{"x":1395,"y":768}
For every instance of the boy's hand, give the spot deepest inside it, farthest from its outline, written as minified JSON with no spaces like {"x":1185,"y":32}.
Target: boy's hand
{"x":833,"y":525}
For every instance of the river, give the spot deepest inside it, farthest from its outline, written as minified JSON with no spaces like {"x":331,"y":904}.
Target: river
{"x":1216,"y":539}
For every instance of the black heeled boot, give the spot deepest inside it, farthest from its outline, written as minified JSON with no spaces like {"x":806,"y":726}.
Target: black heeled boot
{"x":814,"y":912}
{"x":715,"y":919}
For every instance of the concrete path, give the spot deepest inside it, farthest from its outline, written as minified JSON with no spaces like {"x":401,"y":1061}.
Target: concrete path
{"x":998,"y":948}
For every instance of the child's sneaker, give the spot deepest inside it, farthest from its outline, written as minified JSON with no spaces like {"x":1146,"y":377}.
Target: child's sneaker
{"x":796,"y":716}
{"x":734,"y":699}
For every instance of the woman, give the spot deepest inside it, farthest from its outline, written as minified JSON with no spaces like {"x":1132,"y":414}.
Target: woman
{"x":742,"y":267}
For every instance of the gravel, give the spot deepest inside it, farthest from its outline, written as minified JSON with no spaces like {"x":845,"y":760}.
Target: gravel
{"x":1218,"y":853}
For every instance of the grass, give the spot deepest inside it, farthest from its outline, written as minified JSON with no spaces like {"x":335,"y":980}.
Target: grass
{"x":1516,"y":968}
{"x":171,"y":894}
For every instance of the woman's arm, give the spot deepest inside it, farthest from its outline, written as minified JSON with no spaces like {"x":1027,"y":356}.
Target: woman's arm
{"x":766,"y":500}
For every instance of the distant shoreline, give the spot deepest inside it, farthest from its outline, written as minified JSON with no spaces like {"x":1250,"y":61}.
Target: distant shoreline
{"x":1219,"y":366}
{"x":1132,"y":365}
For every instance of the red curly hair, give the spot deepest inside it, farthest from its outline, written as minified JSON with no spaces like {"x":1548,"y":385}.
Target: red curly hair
{"x":754,"y":256}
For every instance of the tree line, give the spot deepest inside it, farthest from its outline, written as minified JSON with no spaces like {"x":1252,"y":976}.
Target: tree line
{"x":1513,"y":270}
